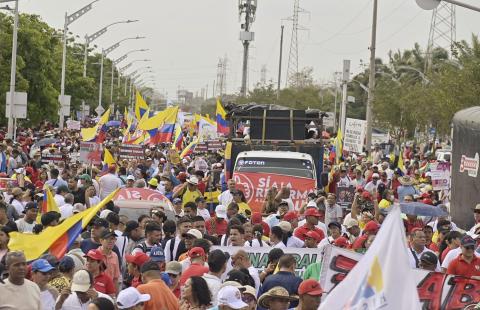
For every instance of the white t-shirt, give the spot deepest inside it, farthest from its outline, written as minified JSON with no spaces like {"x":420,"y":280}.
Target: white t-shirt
{"x":18,"y":206}
{"x":333,"y":213}
{"x":294,"y":242}
{"x":412,"y":261}
{"x":256,"y":277}
{"x":214,"y":283}
{"x":13,"y":296}
{"x":24,"y":227}
{"x":225,"y":198}
{"x":59,"y":199}
{"x":108,"y":183}
{"x":344,"y":182}
{"x":204,"y":213}
{"x":66,"y":211}
{"x":73,"y":302}
{"x":47,"y":300}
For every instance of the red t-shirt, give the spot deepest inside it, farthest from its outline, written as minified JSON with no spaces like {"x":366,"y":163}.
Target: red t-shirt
{"x":460,"y":267}
{"x":195,"y":270}
{"x":220,"y":227}
{"x":302,"y":230}
{"x":103,"y":283}
{"x":359,"y":243}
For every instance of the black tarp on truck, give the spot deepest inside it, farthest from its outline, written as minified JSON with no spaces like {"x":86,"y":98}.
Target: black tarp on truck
{"x":465,"y":166}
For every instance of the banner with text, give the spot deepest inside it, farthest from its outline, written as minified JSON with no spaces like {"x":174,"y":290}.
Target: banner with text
{"x":440,"y":173}
{"x":436,"y":290}
{"x":354,"y":137}
{"x":259,"y":256}
{"x":91,"y":153}
{"x":131,"y":151}
{"x":255,"y":187}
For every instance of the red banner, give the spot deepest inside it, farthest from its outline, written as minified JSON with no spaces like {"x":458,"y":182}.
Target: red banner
{"x":255,"y":187}
{"x":134,"y":194}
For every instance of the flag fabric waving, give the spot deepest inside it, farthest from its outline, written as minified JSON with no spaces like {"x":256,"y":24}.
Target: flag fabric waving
{"x":57,"y":239}
{"x":178,"y":140}
{"x":188,"y":150}
{"x":141,"y":107}
{"x":223,"y":126}
{"x":383,"y":278}
{"x":164,"y":123}
{"x":48,"y":204}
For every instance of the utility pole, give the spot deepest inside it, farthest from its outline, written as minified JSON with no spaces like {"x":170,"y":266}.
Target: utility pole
{"x":13,"y":73}
{"x":343,"y":109}
{"x":280,"y":63}
{"x":371,"y":80}
{"x":247,"y":8}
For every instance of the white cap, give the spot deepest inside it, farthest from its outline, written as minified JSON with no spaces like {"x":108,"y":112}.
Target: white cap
{"x":105,"y":213}
{"x":131,"y":177}
{"x":230,"y":296}
{"x":78,"y":207}
{"x":312,"y":204}
{"x":130,"y":297}
{"x":193,"y":180}
{"x":81,"y":281}
{"x":221,"y":211}
{"x":194,"y":232}
{"x":375,"y":175}
{"x":285,"y":226}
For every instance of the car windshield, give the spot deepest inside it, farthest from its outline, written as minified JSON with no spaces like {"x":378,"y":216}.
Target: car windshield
{"x":285,"y":166}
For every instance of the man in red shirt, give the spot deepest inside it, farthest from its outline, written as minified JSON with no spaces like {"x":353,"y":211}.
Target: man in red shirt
{"x":102,"y":282}
{"x":197,"y":268}
{"x":371,"y":228}
{"x":134,"y":263}
{"x":311,"y":216}
{"x":217,"y":225}
{"x":466,"y":264}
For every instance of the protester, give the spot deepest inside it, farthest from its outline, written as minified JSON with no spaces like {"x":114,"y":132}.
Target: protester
{"x":277,"y":298}
{"x":130,"y":298}
{"x":310,"y":294}
{"x":160,"y":295}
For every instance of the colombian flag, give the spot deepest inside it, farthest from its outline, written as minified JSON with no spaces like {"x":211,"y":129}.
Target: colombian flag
{"x":102,"y":123}
{"x":223,"y":126}
{"x":228,"y":160}
{"x":48,"y":204}
{"x":56,"y":239}
{"x":141,"y":107}
{"x":178,"y":141}
{"x":189,"y":149}
{"x":107,"y":160}
{"x":161,"y":126}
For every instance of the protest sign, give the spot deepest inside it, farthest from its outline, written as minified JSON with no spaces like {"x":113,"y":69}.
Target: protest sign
{"x":73,"y":125}
{"x":52,"y":158}
{"x":209,"y":146}
{"x":91,"y":153}
{"x":355,"y":130}
{"x":345,"y":196}
{"x":440,"y":174}
{"x":131,"y":151}
{"x":207,"y":130}
{"x":259,"y":256}
{"x":255,"y":186}
{"x":436,"y":290}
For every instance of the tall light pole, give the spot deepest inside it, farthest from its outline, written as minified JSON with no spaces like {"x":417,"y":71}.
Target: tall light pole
{"x":371,"y":80}
{"x":134,"y":72}
{"x":13,"y":71}
{"x":431,"y":4}
{"x":105,"y":52}
{"x":247,"y":8}
{"x":69,"y":19}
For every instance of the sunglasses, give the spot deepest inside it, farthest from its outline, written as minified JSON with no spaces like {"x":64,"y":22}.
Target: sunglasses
{"x":469,"y":247}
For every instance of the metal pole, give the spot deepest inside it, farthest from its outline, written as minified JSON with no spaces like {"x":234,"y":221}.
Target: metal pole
{"x":465,"y":5}
{"x":100,"y":87}
{"x":111,"y":88}
{"x":371,"y":80}
{"x":335,"y":109}
{"x":13,"y":73}
{"x":64,"y":61}
{"x":280,"y":63}
{"x":343,"y":109}
{"x":246,"y":44}
{"x":125,"y":91}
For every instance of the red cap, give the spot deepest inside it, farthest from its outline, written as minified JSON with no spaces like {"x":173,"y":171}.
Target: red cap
{"x":341,"y":242}
{"x":427,"y":201}
{"x":372,"y":226}
{"x":256,"y":218}
{"x":138,"y":258}
{"x":196,"y":252}
{"x":312,"y":212}
{"x":425,"y":195}
{"x":310,"y":287}
{"x":366,"y":195}
{"x":290,"y":215}
{"x":182,"y":176}
{"x":95,"y":254}
{"x":29,"y":170}
{"x":313,"y":235}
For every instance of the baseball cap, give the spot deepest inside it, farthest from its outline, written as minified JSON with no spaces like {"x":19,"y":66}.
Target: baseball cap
{"x":177,"y":200}
{"x":341,"y":242}
{"x":81,"y":281}
{"x":138,"y":258}
{"x":312,"y":212}
{"x":95,"y":254}
{"x":371,"y":226}
{"x":100,"y":223}
{"x":230,"y":296}
{"x":30,"y":206}
{"x":290,"y":215}
{"x":157,"y":254}
{"x":130,"y":297}
{"x":192,"y":180}
{"x":221,"y":211}
{"x":196,"y":252}
{"x":107,"y":234}
{"x":66,"y":263}
{"x":336,"y":224}
{"x":313,"y":235}
{"x":153,"y":182}
{"x":85,"y":177}
{"x":285,"y":226}
{"x":105,"y":213}
{"x":468,"y":241}
{"x":42,"y":265}
{"x":350,"y":223}
{"x":477,"y":208}
{"x":194,"y":233}
{"x":429,"y":257}
{"x":78,"y":207}
{"x":131,"y":177}
{"x":375,"y":175}
{"x":311,"y":204}
{"x":247,"y":289}
{"x":310,"y":287}
{"x":129,"y":226}
{"x":173,"y":267}
{"x":149,"y":266}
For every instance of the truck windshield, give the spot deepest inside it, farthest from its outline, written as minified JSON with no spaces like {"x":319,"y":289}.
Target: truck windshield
{"x":285,"y":166}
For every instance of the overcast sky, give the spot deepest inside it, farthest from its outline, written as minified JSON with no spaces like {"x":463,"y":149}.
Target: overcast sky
{"x":187,"y":37}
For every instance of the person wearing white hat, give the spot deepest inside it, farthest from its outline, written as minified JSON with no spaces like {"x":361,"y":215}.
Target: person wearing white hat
{"x":229,"y":297}
{"x":130,"y":298}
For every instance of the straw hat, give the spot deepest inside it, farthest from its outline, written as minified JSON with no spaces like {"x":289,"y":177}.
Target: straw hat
{"x":406,"y":180}
{"x":275,"y":292}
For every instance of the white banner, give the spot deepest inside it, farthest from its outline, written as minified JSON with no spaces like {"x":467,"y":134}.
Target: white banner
{"x":207,"y":130}
{"x":73,"y":125}
{"x":259,"y":256}
{"x":354,"y":137}
{"x":440,"y":173}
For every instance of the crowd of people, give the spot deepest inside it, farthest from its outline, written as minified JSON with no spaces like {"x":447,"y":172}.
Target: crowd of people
{"x":178,"y":261}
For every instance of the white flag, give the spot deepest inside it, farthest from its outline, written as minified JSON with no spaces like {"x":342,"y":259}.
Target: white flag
{"x":382,"y":279}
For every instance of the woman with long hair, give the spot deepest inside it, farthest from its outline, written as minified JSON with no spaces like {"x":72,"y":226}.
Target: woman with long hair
{"x":241,"y":201}
{"x":195,"y":295}
{"x":270,"y":206}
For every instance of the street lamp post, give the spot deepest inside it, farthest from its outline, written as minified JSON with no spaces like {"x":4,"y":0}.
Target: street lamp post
{"x":69,"y":19}
{"x":13,"y":71}
{"x":105,"y":52}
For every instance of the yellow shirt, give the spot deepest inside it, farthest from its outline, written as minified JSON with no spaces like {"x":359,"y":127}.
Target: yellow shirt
{"x":242,"y":207}
{"x":189,"y":196}
{"x":384,"y":204}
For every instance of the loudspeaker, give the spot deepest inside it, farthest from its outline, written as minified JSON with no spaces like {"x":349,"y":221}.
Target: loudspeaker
{"x":277,"y":129}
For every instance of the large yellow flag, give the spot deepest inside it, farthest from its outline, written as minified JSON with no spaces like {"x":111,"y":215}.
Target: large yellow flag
{"x":108,"y":157}
{"x":141,"y":107}
{"x":48,"y":204}
{"x":89,"y":134}
{"x":338,"y":146}
{"x":57,"y":239}
{"x":168,"y":116}
{"x":105,"y":117}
